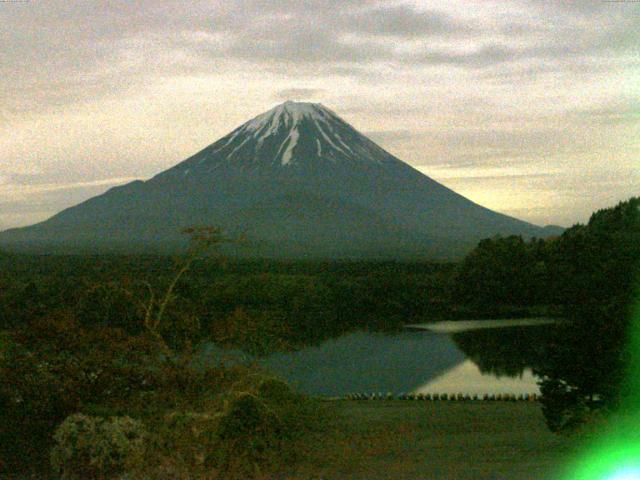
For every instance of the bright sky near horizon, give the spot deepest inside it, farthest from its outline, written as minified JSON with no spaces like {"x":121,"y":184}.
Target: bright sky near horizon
{"x":528,"y":107}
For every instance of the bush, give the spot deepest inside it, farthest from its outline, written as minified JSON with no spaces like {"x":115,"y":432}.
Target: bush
{"x":91,"y":447}
{"x":55,"y":368}
{"x":276,"y":390}
{"x":297,"y":413}
{"x":197,"y":421}
{"x":183,"y":440}
{"x":250,"y":438}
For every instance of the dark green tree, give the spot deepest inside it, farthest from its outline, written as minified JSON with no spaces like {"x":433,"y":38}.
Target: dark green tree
{"x":593,"y":271}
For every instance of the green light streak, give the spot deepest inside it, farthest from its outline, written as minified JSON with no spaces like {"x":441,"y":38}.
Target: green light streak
{"x":615,"y":455}
{"x":630,"y":474}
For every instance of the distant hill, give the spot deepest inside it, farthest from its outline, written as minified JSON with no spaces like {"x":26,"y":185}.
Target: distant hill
{"x":299,"y":182}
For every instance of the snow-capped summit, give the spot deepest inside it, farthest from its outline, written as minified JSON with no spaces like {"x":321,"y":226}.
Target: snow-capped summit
{"x":292,"y":112}
{"x":292,"y":133}
{"x":299,"y":182}
{"x":287,"y":116}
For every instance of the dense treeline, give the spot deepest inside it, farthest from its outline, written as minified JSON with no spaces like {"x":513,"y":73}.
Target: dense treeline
{"x":242,"y":304}
{"x":587,"y":276}
{"x":506,"y":272}
{"x":587,"y":267}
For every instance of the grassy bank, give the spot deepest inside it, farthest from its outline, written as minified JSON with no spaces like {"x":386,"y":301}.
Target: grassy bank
{"x":424,"y":440}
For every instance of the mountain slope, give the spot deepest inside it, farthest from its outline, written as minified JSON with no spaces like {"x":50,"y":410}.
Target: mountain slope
{"x":299,"y":181}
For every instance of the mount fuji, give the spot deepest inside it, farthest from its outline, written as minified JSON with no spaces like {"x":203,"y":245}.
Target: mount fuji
{"x":297,"y":181}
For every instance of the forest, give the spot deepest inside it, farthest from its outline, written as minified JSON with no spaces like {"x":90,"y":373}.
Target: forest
{"x":96,"y":352}
{"x":589,"y":277}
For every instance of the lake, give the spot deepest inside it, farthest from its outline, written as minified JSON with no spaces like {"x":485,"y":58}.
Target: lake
{"x":493,"y":359}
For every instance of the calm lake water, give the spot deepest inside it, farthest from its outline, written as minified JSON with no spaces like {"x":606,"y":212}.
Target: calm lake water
{"x":466,"y":361}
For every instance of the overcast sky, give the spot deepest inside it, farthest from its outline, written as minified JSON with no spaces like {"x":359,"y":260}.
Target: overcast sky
{"x":531,"y":108}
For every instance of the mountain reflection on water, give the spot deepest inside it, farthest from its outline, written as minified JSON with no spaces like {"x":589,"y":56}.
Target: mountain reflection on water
{"x":497,"y":360}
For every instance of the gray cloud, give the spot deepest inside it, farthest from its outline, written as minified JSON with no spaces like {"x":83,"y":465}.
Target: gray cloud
{"x":298,"y":93}
{"x":393,"y":136}
{"x":83,"y":49}
{"x":484,"y":56}
{"x":12,"y":178}
{"x":583,"y":7}
{"x":491,"y":147}
{"x":318,"y":36}
{"x":305,"y":46}
{"x":615,"y":113}
{"x":404,"y":21}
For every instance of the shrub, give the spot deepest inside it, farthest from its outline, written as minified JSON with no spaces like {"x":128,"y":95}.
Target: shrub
{"x":563,"y":408}
{"x":53,"y":369}
{"x":276,"y":390}
{"x":250,"y":438}
{"x":297,"y":413}
{"x":91,"y":447}
{"x":185,"y":439}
